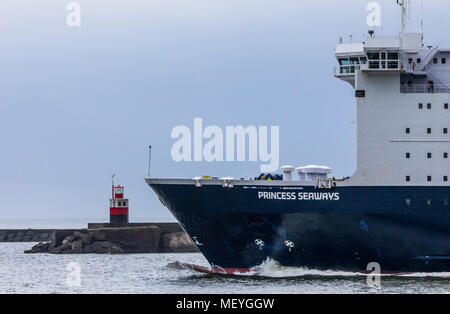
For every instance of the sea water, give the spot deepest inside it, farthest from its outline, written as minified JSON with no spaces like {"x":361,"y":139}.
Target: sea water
{"x":164,"y":273}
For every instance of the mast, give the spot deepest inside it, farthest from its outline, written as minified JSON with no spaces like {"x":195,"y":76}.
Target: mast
{"x":404,"y":4}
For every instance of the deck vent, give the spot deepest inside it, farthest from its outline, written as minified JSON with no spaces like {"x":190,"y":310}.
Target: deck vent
{"x":301,"y":175}
{"x":287,"y":172}
{"x":313,"y":173}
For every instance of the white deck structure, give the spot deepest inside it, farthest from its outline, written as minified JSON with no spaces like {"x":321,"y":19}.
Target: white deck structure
{"x":402,"y":109}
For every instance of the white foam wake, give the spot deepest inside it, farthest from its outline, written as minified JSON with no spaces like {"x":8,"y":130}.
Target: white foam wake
{"x":272,"y":269}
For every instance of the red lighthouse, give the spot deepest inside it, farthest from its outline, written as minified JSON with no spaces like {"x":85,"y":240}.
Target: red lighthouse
{"x":118,"y":206}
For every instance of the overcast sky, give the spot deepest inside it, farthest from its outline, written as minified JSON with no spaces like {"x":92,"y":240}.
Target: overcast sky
{"x":78,"y":104}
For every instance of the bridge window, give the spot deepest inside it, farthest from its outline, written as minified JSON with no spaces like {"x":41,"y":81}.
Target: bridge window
{"x":393,"y":60}
{"x":429,"y":155}
{"x":445,"y":178}
{"x":420,"y":106}
{"x":408,"y":178}
{"x":419,"y":60}
{"x":408,"y":155}
{"x":444,"y":60}
{"x":428,"y":106}
{"x":429,"y":178}
{"x":374,"y":60}
{"x":408,"y":130}
{"x":445,"y":155}
{"x":445,"y":130}
{"x":435,"y":60}
{"x":429,"y":131}
{"x":445,"y":106}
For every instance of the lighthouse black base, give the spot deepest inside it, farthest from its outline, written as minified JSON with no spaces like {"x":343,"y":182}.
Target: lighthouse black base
{"x":119,"y":219}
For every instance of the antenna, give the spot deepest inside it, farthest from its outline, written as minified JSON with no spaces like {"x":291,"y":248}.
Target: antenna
{"x":149,"y":159}
{"x":112,"y":179}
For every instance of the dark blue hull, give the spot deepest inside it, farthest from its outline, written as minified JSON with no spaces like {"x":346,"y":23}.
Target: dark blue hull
{"x":404,"y":229}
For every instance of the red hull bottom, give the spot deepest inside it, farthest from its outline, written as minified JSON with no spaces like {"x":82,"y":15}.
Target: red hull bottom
{"x":240,"y":271}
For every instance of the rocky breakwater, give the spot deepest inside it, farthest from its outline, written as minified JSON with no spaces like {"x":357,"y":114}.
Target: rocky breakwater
{"x":117,"y":241}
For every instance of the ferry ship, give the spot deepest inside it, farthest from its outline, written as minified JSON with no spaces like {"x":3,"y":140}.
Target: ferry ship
{"x":394,"y":210}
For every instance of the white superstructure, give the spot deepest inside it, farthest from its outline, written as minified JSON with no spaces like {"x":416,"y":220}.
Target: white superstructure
{"x":402,"y":109}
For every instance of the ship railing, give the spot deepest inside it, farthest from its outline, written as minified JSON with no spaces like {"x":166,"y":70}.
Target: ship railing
{"x":383,"y":65}
{"x":328,"y":183}
{"x":424,"y":88}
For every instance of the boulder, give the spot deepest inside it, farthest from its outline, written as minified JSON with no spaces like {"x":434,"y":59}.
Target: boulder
{"x":66,"y":244}
{"x":178,"y":242}
{"x":52,"y":245}
{"x":88,"y":249}
{"x":77,"y":247}
{"x":60,"y":235}
{"x":77,"y":235}
{"x":41,"y":247}
{"x":87,"y":238}
{"x":116,"y":250}
{"x":55,"y":250}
